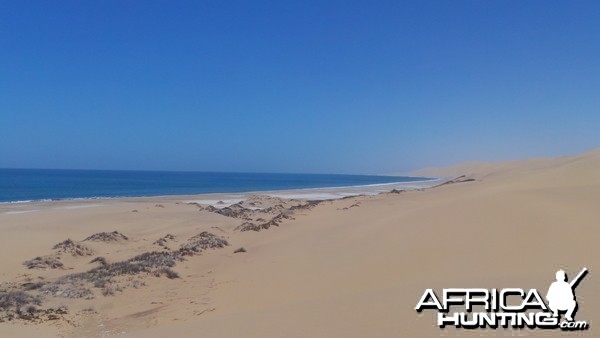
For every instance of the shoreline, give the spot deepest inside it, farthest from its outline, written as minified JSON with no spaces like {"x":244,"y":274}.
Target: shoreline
{"x":81,"y":185}
{"x":317,"y":194}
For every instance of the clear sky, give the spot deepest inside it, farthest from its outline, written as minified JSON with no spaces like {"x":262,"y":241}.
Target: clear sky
{"x":295,"y":86}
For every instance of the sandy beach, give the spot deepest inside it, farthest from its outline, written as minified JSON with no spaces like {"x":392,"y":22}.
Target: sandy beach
{"x":344,"y":266}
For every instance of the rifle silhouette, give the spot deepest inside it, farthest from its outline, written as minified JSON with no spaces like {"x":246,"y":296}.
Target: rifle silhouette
{"x":578,"y":278}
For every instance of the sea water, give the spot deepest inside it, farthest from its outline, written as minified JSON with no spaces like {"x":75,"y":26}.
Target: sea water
{"x":22,"y":185}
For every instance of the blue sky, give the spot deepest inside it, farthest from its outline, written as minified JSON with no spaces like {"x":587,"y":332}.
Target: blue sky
{"x":303,"y":86}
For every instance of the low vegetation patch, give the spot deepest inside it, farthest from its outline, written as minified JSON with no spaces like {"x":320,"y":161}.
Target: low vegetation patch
{"x":19,"y":305}
{"x":17,"y":301}
{"x":275,"y":221}
{"x":44,"y":262}
{"x":156,"y":259}
{"x":163,"y":241}
{"x":233,"y":211}
{"x":305,"y":206}
{"x":202,"y":241}
{"x":249,"y":226}
{"x":68,"y":287}
{"x":111,"y":278}
{"x":28,"y":286}
{"x":75,"y":249}
{"x":114,"y":236}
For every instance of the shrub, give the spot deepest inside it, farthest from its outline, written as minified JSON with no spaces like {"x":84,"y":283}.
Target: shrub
{"x":167,"y":272}
{"x":114,"y":236}
{"x":45,"y":262}
{"x":75,"y":249}
{"x":202,"y":241}
{"x":15,"y":300}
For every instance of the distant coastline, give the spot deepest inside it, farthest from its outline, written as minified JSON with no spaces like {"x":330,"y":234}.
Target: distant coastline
{"x":19,"y":186}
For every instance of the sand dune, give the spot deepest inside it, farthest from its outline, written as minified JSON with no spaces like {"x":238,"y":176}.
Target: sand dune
{"x":481,"y":169}
{"x":353,"y":267}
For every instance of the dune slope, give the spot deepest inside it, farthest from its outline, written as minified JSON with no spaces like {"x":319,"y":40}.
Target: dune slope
{"x":348,"y":268}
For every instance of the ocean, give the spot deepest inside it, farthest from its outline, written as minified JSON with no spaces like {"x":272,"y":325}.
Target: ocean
{"x":24,"y":185}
